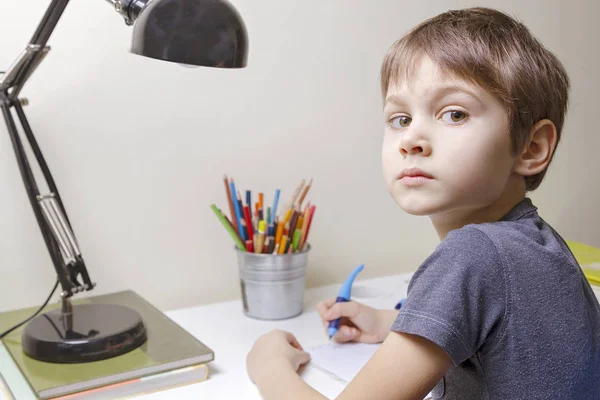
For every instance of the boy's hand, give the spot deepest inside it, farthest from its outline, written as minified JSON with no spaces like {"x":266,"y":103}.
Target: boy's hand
{"x":273,"y":351}
{"x":359,"y":323}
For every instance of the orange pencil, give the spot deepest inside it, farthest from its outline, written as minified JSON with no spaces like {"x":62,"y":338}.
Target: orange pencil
{"x":260,"y":200}
{"x":304,"y":192}
{"x":231,"y":209}
{"x":279,"y":233}
{"x":310,"y":219}
{"x":304,"y":228}
{"x":283,"y":244}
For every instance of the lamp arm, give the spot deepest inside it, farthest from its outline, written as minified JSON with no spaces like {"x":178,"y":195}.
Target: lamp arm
{"x":49,"y":210}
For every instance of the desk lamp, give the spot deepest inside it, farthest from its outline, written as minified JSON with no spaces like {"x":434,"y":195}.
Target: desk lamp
{"x":189,"y":32}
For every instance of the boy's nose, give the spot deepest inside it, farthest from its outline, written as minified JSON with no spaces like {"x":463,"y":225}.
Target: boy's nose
{"x":410,"y":146}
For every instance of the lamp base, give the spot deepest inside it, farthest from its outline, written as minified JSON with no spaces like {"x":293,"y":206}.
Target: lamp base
{"x":90,"y":332}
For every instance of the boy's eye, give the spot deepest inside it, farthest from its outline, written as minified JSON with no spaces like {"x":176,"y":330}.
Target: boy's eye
{"x":453,"y":116}
{"x":401,"y":121}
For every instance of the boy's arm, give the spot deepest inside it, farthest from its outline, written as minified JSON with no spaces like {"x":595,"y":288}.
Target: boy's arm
{"x":404,"y":367}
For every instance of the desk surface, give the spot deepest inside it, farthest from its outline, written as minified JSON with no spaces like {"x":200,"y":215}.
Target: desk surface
{"x":224,"y":328}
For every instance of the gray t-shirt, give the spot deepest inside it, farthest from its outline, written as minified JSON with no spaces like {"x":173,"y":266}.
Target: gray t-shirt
{"x":512,"y":308}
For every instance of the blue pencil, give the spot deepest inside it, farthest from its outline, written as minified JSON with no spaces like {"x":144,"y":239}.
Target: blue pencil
{"x":237,"y":209}
{"x":249,"y":199}
{"x":274,"y":211}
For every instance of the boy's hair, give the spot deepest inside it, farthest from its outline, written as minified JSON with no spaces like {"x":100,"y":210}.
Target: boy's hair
{"x":492,"y":50}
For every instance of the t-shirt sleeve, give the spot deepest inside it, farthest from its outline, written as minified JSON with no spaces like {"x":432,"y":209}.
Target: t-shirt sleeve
{"x":457,"y":297}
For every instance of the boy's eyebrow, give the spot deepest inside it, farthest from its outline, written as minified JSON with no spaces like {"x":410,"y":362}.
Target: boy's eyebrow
{"x":437,"y":93}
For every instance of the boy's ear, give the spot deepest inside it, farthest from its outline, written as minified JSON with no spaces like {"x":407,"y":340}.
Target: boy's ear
{"x":537,"y":151}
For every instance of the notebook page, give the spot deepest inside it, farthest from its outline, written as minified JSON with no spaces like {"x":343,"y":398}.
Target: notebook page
{"x":342,"y":361}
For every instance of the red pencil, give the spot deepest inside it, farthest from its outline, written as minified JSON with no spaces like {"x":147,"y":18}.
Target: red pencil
{"x":249,"y":223}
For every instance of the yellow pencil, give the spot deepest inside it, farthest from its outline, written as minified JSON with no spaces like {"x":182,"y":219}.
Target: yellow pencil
{"x":260,"y":241}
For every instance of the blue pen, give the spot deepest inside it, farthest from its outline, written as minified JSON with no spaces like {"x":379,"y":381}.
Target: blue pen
{"x":343,"y":296}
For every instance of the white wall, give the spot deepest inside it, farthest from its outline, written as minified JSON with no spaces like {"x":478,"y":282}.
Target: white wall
{"x":139,"y":147}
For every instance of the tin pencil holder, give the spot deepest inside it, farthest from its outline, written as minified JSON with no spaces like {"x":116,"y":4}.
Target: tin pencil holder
{"x":272,"y":285}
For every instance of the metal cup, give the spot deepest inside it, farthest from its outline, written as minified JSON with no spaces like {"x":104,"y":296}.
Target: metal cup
{"x":272,"y":284}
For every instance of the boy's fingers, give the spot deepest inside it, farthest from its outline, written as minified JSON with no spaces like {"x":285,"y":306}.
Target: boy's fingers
{"x":346,"y":309}
{"x":346,"y":334}
{"x":293,"y":341}
{"x":324,"y":306}
{"x":304,"y":357}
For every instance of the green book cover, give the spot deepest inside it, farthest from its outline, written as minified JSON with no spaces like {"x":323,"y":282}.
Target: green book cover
{"x":168,"y":347}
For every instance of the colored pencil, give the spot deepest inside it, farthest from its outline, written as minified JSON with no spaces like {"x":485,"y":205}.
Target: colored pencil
{"x":249,"y":198}
{"x":283,"y":244}
{"x":228,"y":227}
{"x":242,"y":218}
{"x":249,"y":223}
{"x":237,"y":209}
{"x":260,"y":241}
{"x":279,"y":232}
{"x":237,"y":234}
{"x":261,"y":200}
{"x":304,"y":192}
{"x":290,"y":204}
{"x":231,"y":208}
{"x":261,"y":229}
{"x":293,"y":223}
{"x":275,"y":202}
{"x":310,"y":219}
{"x":287,"y":217}
{"x":304,"y":227}
{"x":271,"y":247}
{"x":297,"y":234}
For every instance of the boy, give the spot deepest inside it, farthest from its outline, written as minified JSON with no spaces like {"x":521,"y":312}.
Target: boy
{"x":474,"y":109}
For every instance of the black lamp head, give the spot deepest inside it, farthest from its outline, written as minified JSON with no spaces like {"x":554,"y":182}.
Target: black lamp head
{"x":207,"y":33}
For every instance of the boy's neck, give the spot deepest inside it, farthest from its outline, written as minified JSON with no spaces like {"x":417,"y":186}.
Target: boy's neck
{"x":513,"y":194}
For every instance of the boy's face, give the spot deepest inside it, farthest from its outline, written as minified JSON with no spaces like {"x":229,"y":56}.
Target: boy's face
{"x":446,"y":145}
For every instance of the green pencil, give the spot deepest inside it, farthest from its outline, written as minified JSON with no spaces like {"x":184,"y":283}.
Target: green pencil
{"x":237,"y":240}
{"x":297,"y":236}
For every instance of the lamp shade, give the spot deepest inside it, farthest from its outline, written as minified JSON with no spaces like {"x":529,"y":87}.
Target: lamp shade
{"x":207,"y":33}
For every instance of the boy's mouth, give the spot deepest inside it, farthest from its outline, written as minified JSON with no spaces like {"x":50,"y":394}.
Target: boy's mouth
{"x":413,"y":177}
{"x":414,"y":173}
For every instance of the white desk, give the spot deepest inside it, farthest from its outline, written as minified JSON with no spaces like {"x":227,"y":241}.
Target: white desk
{"x":224,"y":328}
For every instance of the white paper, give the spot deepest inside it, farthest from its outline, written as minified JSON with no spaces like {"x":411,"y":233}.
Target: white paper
{"x":342,"y":360}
